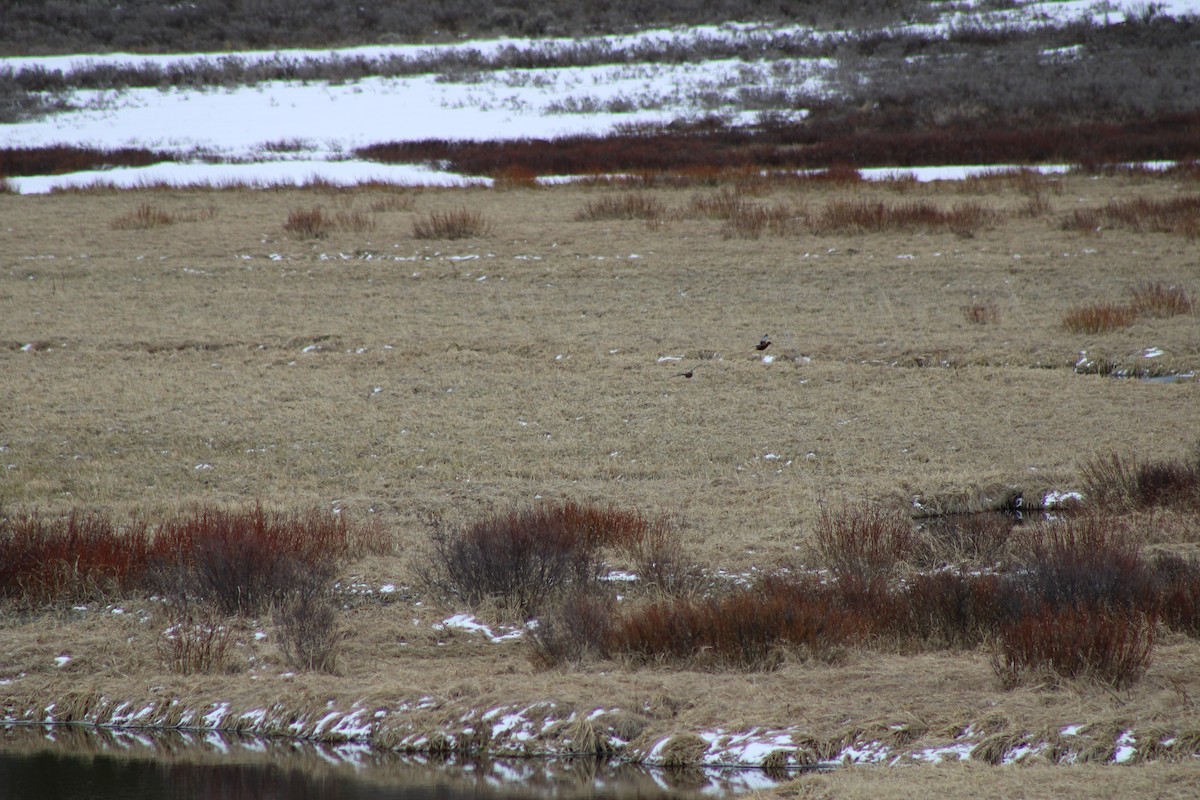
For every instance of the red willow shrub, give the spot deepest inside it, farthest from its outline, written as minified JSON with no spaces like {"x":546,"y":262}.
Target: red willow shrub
{"x":523,"y":557}
{"x":81,"y":557}
{"x":864,"y":540}
{"x":1099,"y":318}
{"x":1104,"y":645}
{"x":1177,"y":584}
{"x":1092,"y":560}
{"x":243,"y":561}
{"x":847,"y":141}
{"x":58,"y":159}
{"x":1114,"y":483}
{"x":746,"y":628}
{"x":955,"y":609}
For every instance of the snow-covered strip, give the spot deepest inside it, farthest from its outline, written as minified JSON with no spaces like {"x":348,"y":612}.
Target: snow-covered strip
{"x":338,"y":726}
{"x":750,"y":747}
{"x":547,"y":728}
{"x":127,"y":715}
{"x":1126,"y":748}
{"x":265,"y":174}
{"x":468,"y":623}
{"x":1022,"y":12}
{"x":216,"y":717}
{"x":1059,"y":498}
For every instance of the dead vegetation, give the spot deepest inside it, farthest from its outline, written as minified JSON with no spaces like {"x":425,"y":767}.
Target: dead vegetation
{"x":521,"y":385}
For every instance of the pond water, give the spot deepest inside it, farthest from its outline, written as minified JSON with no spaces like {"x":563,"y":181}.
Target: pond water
{"x":77,"y":762}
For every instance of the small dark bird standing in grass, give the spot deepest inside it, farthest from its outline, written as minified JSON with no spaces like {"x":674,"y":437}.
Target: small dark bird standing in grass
{"x":691,"y":371}
{"x":763,"y":343}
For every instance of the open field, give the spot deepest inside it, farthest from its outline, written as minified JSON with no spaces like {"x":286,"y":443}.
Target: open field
{"x":163,"y":350}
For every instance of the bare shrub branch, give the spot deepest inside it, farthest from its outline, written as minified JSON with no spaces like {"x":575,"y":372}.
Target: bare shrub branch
{"x":864,"y":540}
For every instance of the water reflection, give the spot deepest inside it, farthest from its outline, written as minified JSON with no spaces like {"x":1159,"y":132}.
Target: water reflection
{"x":76,"y":762}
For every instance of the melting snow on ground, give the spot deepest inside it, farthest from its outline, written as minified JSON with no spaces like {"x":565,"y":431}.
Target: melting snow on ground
{"x":292,"y":132}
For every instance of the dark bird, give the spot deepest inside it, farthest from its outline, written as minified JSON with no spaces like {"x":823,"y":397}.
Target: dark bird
{"x":763,"y":343}
{"x":691,"y":371}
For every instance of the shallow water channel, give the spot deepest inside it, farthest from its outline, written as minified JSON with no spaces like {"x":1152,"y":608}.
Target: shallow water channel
{"x":77,"y":762}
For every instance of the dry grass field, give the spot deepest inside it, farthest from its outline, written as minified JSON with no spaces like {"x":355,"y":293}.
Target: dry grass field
{"x":162,"y":350}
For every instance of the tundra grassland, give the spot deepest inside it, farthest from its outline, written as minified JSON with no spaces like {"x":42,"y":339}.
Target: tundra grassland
{"x":221,"y":358}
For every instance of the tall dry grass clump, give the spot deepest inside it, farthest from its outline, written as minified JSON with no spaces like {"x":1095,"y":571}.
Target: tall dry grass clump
{"x":723,"y":204}
{"x":1115,"y":483}
{"x":315,"y":223}
{"x":627,"y":205}
{"x":981,"y":313}
{"x":1083,"y":220}
{"x":196,"y":638}
{"x":872,"y":216}
{"x":1156,"y":299}
{"x":1179,"y":215}
{"x":307,"y":628}
{"x":459,"y":223}
{"x":751,"y":220}
{"x":352,"y":221}
{"x":1099,"y":318}
{"x":308,"y":223}
{"x":144,"y":217}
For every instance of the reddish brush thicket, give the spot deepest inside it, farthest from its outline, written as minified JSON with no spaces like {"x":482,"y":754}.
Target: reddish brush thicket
{"x":238,"y":559}
{"x":243,"y":561}
{"x":1112,"y":647}
{"x":744,"y":628}
{"x":864,"y":540}
{"x":1091,"y":560}
{"x":1156,"y":299}
{"x":523,"y":557}
{"x":1117,"y":484}
{"x":75,"y":559}
{"x":1099,"y":318}
{"x":1078,"y":600}
{"x":56,"y":159}
{"x":856,"y":141}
